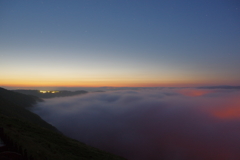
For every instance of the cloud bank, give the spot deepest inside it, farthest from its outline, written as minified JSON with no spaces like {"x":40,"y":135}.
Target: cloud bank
{"x":152,"y":124}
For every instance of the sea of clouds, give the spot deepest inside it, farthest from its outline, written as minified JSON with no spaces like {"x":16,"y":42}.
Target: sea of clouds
{"x":152,"y":124}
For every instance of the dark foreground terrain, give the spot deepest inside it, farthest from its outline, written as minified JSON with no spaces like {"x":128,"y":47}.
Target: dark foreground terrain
{"x":38,"y":139}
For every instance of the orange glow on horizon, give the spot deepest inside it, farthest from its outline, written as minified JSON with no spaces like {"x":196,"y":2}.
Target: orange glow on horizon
{"x":99,"y":85}
{"x":95,"y":83}
{"x":111,"y":82}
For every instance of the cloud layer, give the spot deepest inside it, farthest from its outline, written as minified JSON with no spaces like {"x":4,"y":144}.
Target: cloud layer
{"x":152,"y":124}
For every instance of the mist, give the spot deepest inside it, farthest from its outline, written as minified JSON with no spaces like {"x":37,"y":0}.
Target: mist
{"x":152,"y":123}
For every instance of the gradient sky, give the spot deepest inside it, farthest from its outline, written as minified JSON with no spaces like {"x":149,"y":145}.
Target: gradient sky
{"x":119,"y":43}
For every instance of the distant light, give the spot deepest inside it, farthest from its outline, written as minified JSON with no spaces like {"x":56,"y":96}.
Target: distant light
{"x":41,"y":91}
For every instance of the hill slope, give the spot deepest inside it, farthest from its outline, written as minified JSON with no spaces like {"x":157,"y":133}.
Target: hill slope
{"x":38,"y":138}
{"x":14,"y":105}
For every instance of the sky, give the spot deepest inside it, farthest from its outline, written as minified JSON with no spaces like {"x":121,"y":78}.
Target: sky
{"x":151,"y":123}
{"x":137,"y":43}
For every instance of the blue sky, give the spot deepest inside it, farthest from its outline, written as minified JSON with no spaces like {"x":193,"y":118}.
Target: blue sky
{"x":119,"y":43}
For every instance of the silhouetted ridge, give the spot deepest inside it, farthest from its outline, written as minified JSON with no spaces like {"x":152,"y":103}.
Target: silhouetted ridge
{"x":219,"y":87}
{"x":50,"y":94}
{"x":25,"y":133}
{"x":14,"y":105}
{"x":18,"y":98}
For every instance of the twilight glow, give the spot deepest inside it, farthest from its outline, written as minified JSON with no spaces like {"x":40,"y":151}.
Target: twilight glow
{"x":119,"y":43}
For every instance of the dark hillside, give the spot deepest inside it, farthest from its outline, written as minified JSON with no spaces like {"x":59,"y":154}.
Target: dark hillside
{"x":10,"y":109}
{"x":43,"y":144}
{"x":18,"y":98}
{"x":14,"y":105}
{"x":38,"y":138}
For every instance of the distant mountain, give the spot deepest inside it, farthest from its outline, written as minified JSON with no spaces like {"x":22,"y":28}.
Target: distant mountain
{"x":50,"y":94}
{"x":219,"y":87}
{"x":36,"y":137}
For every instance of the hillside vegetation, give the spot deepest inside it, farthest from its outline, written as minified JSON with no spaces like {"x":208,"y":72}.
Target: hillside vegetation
{"x":38,"y":138}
